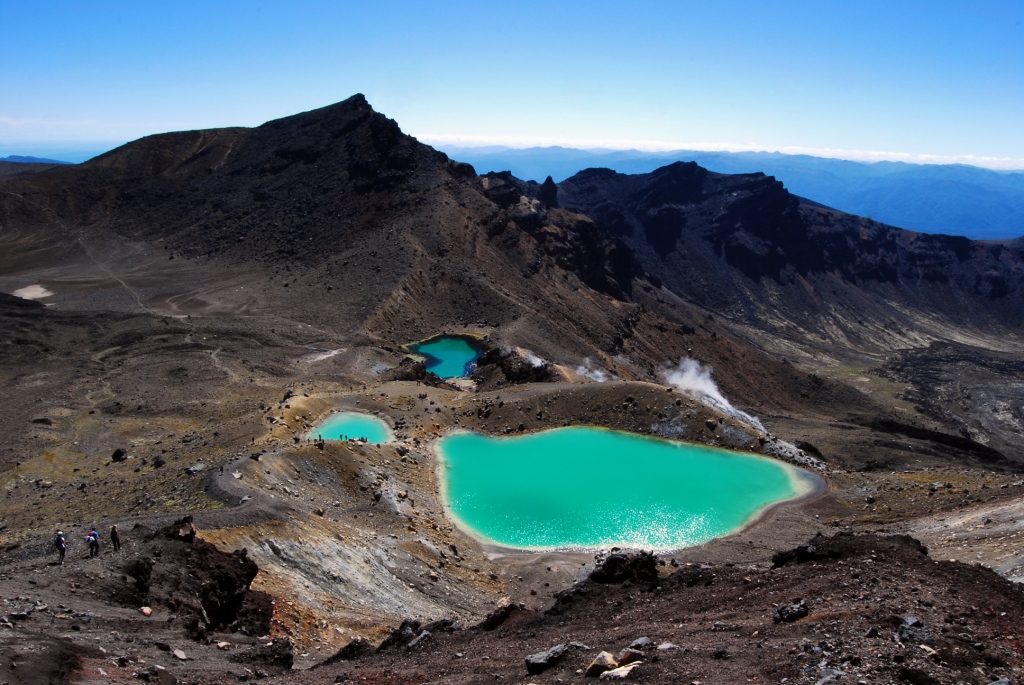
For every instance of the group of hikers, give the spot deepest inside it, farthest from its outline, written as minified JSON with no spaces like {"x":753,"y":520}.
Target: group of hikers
{"x":92,"y":539}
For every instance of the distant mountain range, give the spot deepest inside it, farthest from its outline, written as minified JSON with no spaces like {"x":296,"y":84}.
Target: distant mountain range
{"x":953,"y":199}
{"x":21,"y":159}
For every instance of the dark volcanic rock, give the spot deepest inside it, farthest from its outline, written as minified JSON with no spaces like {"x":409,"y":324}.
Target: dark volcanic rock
{"x":618,"y":568}
{"x":541,"y":661}
{"x":402,"y":635}
{"x":788,"y":613}
{"x":548,"y":193}
{"x":358,"y":647}
{"x":499,"y":616}
{"x":194,"y":578}
{"x":821,"y":548}
{"x":277,"y":654}
{"x":913,"y":631}
{"x":503,"y":365}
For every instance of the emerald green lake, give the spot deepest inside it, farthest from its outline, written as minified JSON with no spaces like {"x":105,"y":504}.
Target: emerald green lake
{"x":449,"y":356}
{"x":350,"y":425}
{"x":583,"y":487}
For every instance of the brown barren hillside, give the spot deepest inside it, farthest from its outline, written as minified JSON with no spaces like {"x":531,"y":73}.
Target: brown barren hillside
{"x":181,"y":312}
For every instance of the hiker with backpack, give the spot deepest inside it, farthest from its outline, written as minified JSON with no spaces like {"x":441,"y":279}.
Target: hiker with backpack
{"x":61,"y":545}
{"x":93,"y":539}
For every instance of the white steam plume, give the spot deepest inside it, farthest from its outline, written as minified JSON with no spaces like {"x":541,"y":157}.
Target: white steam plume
{"x":694,"y":379}
{"x":588,"y":370}
{"x":535,"y":361}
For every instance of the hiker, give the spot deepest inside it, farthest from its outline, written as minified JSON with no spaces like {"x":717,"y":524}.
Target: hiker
{"x":94,"y":543}
{"x":115,"y":538}
{"x":61,"y":545}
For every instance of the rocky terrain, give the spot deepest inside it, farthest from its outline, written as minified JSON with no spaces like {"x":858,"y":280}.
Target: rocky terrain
{"x":191,"y":305}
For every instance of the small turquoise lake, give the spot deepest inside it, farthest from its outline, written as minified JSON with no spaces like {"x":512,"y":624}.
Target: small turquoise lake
{"x":351,"y":425}
{"x":449,"y":356}
{"x":587,"y":488}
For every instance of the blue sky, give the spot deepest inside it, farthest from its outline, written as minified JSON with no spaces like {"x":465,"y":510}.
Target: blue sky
{"x":928,"y":81}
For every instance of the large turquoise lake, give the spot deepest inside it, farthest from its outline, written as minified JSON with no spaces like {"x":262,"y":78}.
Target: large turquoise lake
{"x":449,"y":356}
{"x":583,"y":487}
{"x":351,"y":425}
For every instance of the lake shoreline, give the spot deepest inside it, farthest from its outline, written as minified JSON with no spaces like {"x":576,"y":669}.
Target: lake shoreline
{"x":805,"y":485}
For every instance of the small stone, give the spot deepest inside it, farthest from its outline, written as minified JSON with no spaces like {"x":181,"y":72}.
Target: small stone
{"x":120,"y":454}
{"x":914,"y":631}
{"x":628,"y":656}
{"x":179,"y":655}
{"x":791,"y":612}
{"x":829,"y":675}
{"x":642,"y":643}
{"x":601,"y":663}
{"x":162,"y":646}
{"x":666,"y":646}
{"x":541,"y":661}
{"x":146,"y":611}
{"x":620,"y":673}
{"x":223,"y":645}
{"x":872,"y":632}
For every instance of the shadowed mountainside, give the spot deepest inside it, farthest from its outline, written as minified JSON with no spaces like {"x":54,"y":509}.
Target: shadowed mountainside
{"x":744,"y":246}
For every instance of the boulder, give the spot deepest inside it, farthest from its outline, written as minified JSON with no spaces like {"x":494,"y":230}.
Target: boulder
{"x":425,"y":635}
{"x":628,"y":656}
{"x":618,"y":568}
{"x":620,"y":673}
{"x":402,"y":635}
{"x":601,"y":663}
{"x":499,"y":615}
{"x":353,"y":650}
{"x":548,"y":192}
{"x":641,"y":643}
{"x":788,"y":613}
{"x":541,"y":661}
{"x":912,"y":630}
{"x":120,"y":454}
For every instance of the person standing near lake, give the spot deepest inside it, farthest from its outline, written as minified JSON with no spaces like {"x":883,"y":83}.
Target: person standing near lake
{"x":115,"y":538}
